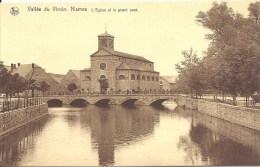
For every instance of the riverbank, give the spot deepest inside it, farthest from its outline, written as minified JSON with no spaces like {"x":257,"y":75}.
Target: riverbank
{"x":244,"y":116}
{"x":16,"y":118}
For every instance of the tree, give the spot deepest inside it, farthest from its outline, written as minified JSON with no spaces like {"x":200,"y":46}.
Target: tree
{"x":104,"y":86}
{"x":44,"y":87}
{"x":234,"y":53}
{"x":11,"y":84}
{"x":254,"y":9}
{"x":32,"y":85}
{"x":17,"y":84}
{"x":190,"y":74}
{"x":72,"y":86}
{"x":4,"y":74}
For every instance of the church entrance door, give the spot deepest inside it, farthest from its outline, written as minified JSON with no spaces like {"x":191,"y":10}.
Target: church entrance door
{"x":104,"y":85}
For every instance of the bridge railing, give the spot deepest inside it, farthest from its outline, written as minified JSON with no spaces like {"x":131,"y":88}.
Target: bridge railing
{"x":16,"y":103}
{"x":115,"y":93}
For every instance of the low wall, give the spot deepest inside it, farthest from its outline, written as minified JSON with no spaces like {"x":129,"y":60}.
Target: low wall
{"x":237,"y":133}
{"x":244,"y":116}
{"x":16,"y":118}
{"x":187,"y":102}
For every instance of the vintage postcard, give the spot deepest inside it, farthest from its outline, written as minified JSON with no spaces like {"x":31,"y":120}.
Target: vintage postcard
{"x":130,"y":83}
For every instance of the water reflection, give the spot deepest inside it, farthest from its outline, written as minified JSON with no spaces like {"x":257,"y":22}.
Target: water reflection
{"x":15,"y":144}
{"x":135,"y":135}
{"x":118,"y":126}
{"x":218,"y":142}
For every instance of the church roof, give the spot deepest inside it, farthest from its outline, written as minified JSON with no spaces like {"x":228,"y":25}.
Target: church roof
{"x":123,"y":66}
{"x":122,"y":54}
{"x":106,"y":35}
{"x":126,"y":55}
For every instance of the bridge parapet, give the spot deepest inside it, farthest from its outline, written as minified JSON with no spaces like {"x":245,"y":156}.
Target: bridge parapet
{"x":145,"y":99}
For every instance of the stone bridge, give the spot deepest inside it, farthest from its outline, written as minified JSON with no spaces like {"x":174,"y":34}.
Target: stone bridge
{"x":142,"y":99}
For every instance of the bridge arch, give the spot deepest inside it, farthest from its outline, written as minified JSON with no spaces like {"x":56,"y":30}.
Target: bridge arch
{"x":158,"y":102}
{"x":129,"y":101}
{"x":102,"y":102}
{"x":55,"y":103}
{"x":79,"y":102}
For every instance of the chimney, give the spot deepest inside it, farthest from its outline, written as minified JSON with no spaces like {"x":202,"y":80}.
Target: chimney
{"x":18,"y":64}
{"x":12,"y":67}
{"x":32,"y":65}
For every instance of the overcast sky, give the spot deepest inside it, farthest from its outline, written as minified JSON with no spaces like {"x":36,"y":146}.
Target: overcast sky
{"x":59,"y":41}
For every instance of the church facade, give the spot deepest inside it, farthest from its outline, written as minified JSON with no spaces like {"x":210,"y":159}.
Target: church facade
{"x":112,"y":70}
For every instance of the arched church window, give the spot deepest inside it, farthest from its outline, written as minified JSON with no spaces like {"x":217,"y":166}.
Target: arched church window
{"x":102,"y":77}
{"x":121,"y":77}
{"x":133,"y":77}
{"x":148,"y":78}
{"x":152,"y":78}
{"x":143,"y":77}
{"x":138,"y":77}
{"x":87,"y":78}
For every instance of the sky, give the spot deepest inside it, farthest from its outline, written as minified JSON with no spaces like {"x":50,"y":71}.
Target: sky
{"x":62,"y":40}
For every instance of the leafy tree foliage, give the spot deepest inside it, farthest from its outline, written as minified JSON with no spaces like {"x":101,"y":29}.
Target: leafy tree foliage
{"x":231,"y":62}
{"x":11,"y":84}
{"x":254,"y":9}
{"x":3,"y":75}
{"x":44,"y":86}
{"x":72,"y":86}
{"x":190,"y":78}
{"x":32,"y":85}
{"x":104,"y":86}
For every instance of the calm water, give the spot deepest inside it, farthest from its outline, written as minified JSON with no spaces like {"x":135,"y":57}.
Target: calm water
{"x":140,"y":135}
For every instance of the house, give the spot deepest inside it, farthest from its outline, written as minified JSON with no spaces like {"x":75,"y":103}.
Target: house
{"x":35,"y":72}
{"x":167,"y":83}
{"x":57,"y":77}
{"x":72,"y":76}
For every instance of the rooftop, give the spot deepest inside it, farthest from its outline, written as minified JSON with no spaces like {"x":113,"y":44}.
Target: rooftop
{"x":170,"y":79}
{"x":56,"y":77}
{"x":124,"y":55}
{"x":76,"y":72}
{"x":106,"y":35}
{"x":24,"y":69}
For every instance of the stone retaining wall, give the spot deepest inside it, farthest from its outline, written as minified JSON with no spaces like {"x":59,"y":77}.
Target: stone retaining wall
{"x":187,"y":102}
{"x":240,"y":134}
{"x":16,"y":118}
{"x":244,"y":116}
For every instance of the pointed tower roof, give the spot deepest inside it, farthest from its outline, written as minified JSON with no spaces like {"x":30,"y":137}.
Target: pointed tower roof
{"x":106,"y":35}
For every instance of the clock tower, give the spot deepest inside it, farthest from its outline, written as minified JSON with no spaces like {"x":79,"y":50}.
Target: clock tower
{"x":105,"y":41}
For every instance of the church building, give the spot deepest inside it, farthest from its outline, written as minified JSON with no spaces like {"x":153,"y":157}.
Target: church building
{"x":112,"y":70}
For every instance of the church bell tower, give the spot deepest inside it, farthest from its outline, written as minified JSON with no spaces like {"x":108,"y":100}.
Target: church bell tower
{"x":105,"y":41}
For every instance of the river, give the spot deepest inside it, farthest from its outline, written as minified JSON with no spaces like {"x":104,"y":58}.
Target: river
{"x":137,"y":135}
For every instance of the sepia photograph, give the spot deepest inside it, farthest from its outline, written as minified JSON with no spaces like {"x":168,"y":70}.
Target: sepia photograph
{"x":130,"y":83}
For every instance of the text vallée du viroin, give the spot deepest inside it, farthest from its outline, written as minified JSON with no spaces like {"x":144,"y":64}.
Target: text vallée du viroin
{"x":76,"y":9}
